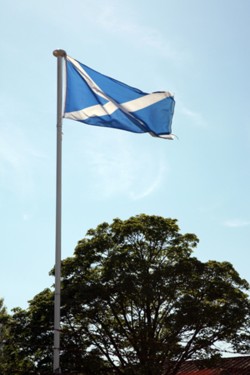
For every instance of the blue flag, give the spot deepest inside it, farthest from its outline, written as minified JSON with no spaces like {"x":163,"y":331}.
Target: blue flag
{"x":95,"y":99}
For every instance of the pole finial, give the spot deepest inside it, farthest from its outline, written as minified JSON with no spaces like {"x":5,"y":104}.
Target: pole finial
{"x":59,"y":53}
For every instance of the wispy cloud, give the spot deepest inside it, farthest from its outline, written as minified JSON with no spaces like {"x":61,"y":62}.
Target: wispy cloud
{"x":120,"y":169}
{"x":26,"y":216}
{"x":236,"y":223}
{"x":17,"y":159}
{"x":119,"y":19}
{"x":110,"y":20}
{"x":156,"y":182}
{"x":13,"y":166}
{"x":195,"y":117}
{"x":122,"y":21}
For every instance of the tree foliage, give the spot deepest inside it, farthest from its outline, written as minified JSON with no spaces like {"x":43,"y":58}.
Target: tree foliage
{"x":27,"y":347}
{"x":134,"y":290}
{"x":135,"y":301}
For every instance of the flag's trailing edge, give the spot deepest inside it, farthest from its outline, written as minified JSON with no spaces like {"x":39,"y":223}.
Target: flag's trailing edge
{"x":95,"y":99}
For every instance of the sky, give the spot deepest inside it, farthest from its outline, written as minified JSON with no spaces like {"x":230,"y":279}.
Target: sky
{"x":197,"y":50}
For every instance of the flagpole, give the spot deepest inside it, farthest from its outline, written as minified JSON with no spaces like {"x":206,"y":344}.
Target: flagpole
{"x":60,"y":55}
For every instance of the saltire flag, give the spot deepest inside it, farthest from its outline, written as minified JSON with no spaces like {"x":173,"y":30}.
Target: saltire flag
{"x":96,"y":99}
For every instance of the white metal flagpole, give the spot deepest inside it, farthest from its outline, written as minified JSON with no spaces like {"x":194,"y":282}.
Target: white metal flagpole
{"x":60,"y":55}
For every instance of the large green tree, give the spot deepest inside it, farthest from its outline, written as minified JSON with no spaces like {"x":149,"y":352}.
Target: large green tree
{"x":134,"y":292}
{"x":28,"y":338}
{"x":135,"y":301}
{"x":26,"y":341}
{"x":4,"y":319}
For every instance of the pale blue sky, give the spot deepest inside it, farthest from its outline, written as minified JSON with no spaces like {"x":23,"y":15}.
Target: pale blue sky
{"x":198,"y":50}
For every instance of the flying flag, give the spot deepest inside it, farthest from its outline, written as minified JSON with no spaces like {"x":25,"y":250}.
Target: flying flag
{"x":96,"y":99}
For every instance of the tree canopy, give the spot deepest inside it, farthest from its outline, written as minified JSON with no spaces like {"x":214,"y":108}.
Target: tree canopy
{"x":135,"y":291}
{"x":135,"y":301}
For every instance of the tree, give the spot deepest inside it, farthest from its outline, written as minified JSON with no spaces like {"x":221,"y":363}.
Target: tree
{"x":4,"y":318}
{"x":26,"y":344}
{"x":27,"y":348}
{"x":134,"y":293}
{"x":134,"y":302}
